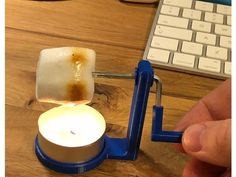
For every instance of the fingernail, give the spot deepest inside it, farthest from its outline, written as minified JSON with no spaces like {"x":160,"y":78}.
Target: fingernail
{"x":192,"y":138}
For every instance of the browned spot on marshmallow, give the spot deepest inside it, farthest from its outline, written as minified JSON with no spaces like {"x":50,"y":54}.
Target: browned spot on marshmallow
{"x":77,"y":91}
{"x":78,"y":57}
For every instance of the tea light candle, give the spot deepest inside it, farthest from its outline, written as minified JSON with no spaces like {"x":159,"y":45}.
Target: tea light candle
{"x":71,"y":133}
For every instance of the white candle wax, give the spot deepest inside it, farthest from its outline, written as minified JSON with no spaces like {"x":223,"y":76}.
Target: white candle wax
{"x":71,"y":133}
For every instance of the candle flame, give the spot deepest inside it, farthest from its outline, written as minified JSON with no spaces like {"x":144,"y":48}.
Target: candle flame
{"x":72,"y":125}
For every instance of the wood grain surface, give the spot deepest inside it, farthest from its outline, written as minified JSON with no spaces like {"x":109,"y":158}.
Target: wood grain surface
{"x":118,"y":33}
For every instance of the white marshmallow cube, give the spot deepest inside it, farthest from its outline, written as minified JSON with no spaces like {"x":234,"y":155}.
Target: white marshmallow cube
{"x":64,"y":75}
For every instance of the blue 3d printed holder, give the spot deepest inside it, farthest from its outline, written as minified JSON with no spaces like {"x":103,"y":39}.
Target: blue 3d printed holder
{"x":124,"y":148}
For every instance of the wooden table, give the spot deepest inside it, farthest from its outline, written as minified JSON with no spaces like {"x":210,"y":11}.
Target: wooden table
{"x":118,"y":32}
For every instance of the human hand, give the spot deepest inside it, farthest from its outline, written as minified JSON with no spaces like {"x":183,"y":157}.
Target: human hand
{"x":207,"y":135}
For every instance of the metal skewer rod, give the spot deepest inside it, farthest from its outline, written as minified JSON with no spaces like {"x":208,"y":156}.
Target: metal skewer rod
{"x":131,"y":76}
{"x":158,"y":90}
{"x":113,"y":75}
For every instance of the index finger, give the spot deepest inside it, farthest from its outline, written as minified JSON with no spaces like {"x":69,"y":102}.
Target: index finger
{"x":215,"y":106}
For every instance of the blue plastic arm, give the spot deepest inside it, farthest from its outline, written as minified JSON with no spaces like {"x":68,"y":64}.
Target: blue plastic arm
{"x":127,"y":148}
{"x":157,"y":133}
{"x":143,"y":83}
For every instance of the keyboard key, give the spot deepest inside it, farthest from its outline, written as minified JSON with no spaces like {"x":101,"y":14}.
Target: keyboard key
{"x":192,"y":48}
{"x":225,"y":41}
{"x":228,"y":20}
{"x":205,"y":6}
{"x":179,"y":3}
{"x":172,"y":32}
{"x":227,"y":69}
{"x":192,"y":36}
{"x":192,"y":14}
{"x":214,"y":17}
{"x":164,"y":43}
{"x":170,"y":10}
{"x":208,"y":64}
{"x":223,"y":29}
{"x":173,"y":21}
{"x":185,"y":60}
{"x":206,"y":38}
{"x":223,"y":9}
{"x":158,"y":55}
{"x":217,"y":52}
{"x":201,"y":26}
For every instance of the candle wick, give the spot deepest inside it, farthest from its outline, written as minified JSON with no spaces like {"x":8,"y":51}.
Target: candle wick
{"x":72,"y":132}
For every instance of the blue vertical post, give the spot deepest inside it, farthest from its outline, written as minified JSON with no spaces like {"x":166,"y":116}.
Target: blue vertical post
{"x":143,"y":82}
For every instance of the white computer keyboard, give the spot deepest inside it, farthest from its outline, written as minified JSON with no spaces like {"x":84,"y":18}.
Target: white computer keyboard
{"x":191,"y":36}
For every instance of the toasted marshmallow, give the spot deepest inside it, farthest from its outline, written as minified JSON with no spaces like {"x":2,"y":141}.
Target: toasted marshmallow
{"x":64,"y":75}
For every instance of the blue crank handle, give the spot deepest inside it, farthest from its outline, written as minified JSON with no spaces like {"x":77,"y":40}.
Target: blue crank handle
{"x":157,"y":133}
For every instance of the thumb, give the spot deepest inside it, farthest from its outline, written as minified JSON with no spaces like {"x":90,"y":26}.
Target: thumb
{"x":209,"y":142}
